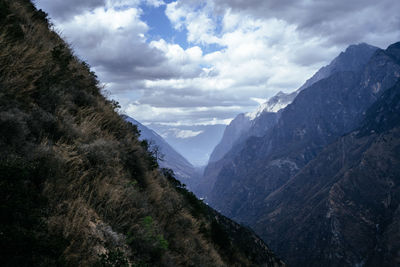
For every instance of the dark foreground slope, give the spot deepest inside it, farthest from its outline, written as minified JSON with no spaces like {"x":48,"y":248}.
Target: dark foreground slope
{"x":343,"y":208}
{"x":77,"y":187}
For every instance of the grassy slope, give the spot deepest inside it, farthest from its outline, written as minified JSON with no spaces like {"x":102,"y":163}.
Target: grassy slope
{"x":76,"y":185}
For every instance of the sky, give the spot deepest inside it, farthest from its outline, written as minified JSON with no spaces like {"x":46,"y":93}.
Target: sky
{"x":192,"y":62}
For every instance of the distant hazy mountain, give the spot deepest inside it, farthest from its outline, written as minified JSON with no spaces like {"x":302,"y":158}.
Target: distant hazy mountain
{"x":232,"y":132}
{"x":170,"y":158}
{"x":194,"y":142}
{"x":320,"y":198}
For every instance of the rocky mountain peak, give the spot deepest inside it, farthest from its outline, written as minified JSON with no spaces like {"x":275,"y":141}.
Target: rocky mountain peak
{"x":394,"y":50}
{"x":305,"y":184}
{"x":353,"y":58}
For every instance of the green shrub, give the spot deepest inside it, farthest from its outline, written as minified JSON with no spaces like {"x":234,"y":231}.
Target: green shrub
{"x":162,"y":243}
{"x":147,"y":243}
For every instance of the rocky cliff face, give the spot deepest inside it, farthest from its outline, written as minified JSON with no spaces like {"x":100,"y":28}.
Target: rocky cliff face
{"x":318,"y":116}
{"x":256,"y":124}
{"x":254,"y":128}
{"x":232,"y":132}
{"x":353,"y":58}
{"x":342,"y":209}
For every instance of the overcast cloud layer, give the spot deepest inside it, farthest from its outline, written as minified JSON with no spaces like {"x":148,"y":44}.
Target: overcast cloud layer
{"x":236,"y":53}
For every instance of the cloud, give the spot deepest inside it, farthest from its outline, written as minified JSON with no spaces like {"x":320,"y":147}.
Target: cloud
{"x":63,"y":10}
{"x":112,"y":39}
{"x":155,"y":3}
{"x":341,"y":22}
{"x":182,"y":115}
{"x":183,"y":134}
{"x":113,"y":42}
{"x":246,"y":67}
{"x":236,"y":52}
{"x":206,"y":123}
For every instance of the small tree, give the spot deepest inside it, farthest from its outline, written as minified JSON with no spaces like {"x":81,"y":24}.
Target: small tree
{"x":155,"y":150}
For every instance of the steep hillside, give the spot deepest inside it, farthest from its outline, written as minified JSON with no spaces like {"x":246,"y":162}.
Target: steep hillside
{"x":166,"y":155}
{"x":77,"y":187}
{"x":343,"y":208}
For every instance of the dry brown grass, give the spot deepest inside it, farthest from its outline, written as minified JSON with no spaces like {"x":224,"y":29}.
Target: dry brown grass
{"x":98,"y":178}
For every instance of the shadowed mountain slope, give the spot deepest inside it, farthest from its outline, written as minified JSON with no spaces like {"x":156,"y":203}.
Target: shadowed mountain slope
{"x":317,"y":117}
{"x":353,"y":58}
{"x":257,"y":124}
{"x":343,"y":208}
{"x":253,"y":173}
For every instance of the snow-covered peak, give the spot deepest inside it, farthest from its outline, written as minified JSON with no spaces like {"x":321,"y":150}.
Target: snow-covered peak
{"x":256,"y":113}
{"x":274,"y":104}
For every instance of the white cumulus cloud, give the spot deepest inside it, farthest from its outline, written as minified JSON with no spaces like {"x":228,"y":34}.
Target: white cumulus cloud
{"x":236,"y":53}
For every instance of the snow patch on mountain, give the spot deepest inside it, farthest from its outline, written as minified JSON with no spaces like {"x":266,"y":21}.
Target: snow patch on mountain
{"x":274,"y":104}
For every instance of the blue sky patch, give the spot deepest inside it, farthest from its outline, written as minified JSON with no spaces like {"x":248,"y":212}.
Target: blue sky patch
{"x":161,"y":27}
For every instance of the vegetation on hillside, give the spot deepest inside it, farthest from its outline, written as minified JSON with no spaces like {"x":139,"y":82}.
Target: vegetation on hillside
{"x":77,"y":187}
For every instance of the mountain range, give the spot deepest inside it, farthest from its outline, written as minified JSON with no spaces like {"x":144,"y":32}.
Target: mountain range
{"x":290,"y":171}
{"x":257,"y":123}
{"x":353,"y":59}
